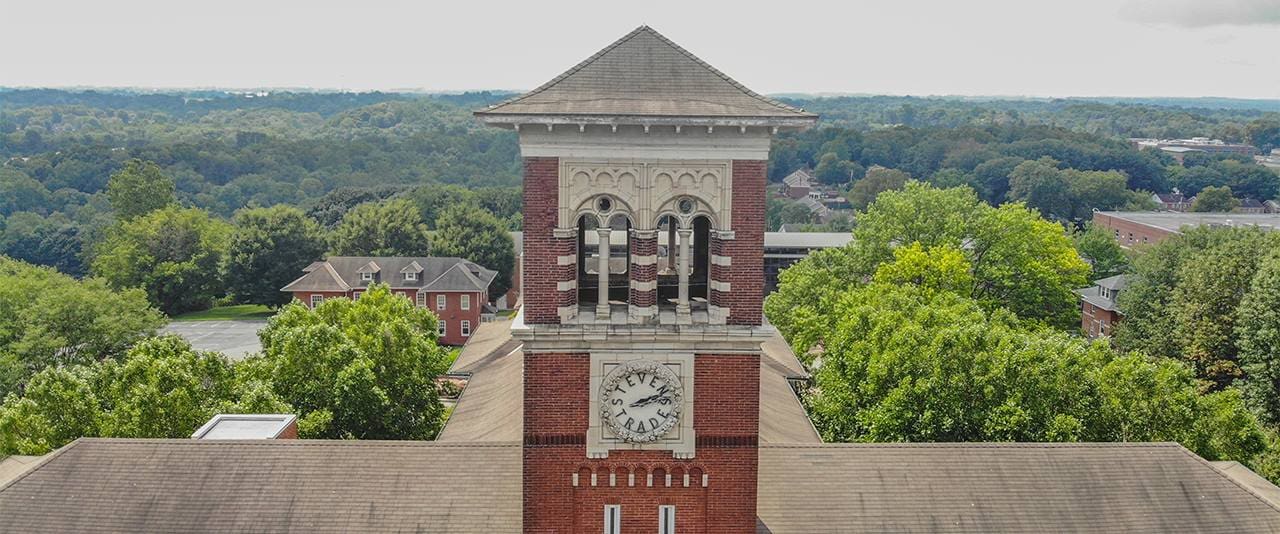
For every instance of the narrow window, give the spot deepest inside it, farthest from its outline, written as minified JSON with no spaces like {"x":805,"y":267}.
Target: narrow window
{"x":466,"y":328}
{"x":612,"y":519}
{"x":439,"y":302}
{"x":422,"y":300}
{"x":666,"y":519}
{"x":441,"y":329}
{"x":466,"y":302}
{"x":316,"y":300}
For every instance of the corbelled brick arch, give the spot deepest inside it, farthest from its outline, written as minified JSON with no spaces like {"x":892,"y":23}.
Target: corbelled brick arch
{"x":642,"y":372}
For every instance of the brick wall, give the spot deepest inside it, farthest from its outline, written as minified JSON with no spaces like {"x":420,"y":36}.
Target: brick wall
{"x":746,"y":274}
{"x":453,"y":315}
{"x":1129,"y":233}
{"x":541,"y":248}
{"x":726,"y":419}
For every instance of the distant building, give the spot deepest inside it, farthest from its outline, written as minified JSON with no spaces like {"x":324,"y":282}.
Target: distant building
{"x":798,"y":184}
{"x":820,"y":212}
{"x":1098,"y":306}
{"x":1174,"y":201}
{"x":783,"y":249}
{"x":1179,"y":148}
{"x":1271,"y":161}
{"x":1250,"y":205}
{"x":455,"y":289}
{"x":1145,"y":227}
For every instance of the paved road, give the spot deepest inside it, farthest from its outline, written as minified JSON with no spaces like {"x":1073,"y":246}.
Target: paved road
{"x":236,"y":339}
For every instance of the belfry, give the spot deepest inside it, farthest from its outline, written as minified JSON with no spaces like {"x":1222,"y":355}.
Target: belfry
{"x":644,"y":219}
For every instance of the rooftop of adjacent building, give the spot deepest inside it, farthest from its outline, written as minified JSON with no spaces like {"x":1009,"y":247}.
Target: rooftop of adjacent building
{"x":1174,"y":221}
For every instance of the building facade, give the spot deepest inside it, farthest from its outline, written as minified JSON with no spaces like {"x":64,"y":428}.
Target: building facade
{"x":1098,"y":310}
{"x":1137,"y":228}
{"x":641,"y":368}
{"x":454,"y":289}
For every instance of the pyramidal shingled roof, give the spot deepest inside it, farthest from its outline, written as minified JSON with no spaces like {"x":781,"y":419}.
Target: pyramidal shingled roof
{"x":644,"y":74}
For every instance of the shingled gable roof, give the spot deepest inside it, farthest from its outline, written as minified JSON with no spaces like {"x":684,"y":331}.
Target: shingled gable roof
{"x":176,"y":485}
{"x":644,"y":74}
{"x":1002,"y":487}
{"x":342,"y":273}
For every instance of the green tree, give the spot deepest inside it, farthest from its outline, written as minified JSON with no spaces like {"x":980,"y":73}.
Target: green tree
{"x":1182,"y":298}
{"x":19,"y":192}
{"x":1258,"y":333}
{"x":832,"y":170}
{"x":390,"y":228}
{"x":269,"y":248}
{"x":1017,"y":260}
{"x":476,"y":235}
{"x":1098,"y":247}
{"x":904,"y":363}
{"x":362,"y":369}
{"x":1214,"y":199}
{"x":1264,"y":134}
{"x":160,"y":389}
{"x":50,"y":319}
{"x":1043,"y":186}
{"x":139,"y":188}
{"x":877,"y":180}
{"x":174,"y":254}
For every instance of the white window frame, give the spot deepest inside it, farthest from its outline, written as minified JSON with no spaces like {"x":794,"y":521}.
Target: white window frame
{"x":316,"y":300}
{"x":411,"y":277}
{"x":421,"y":300}
{"x":466,"y":328}
{"x":466,"y":301}
{"x":667,"y":519}
{"x":612,"y":519}
{"x":441,"y":300}
{"x":355,"y":295}
{"x":366,"y":276}
{"x":442,"y":328}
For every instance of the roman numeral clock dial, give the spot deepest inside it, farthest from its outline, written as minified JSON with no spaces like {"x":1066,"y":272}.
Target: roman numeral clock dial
{"x":640,"y":401}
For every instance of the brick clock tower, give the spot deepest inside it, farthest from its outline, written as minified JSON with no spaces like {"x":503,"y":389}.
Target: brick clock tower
{"x":642,"y":277}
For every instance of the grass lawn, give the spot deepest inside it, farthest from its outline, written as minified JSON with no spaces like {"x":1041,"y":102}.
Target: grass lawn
{"x":228,"y":313}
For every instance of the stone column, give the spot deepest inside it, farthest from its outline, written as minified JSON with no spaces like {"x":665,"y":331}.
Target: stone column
{"x":682,"y":303}
{"x":671,"y":244}
{"x":602,"y":296}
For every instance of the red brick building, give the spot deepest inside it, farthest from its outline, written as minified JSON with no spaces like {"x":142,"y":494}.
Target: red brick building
{"x":644,"y":214}
{"x":1098,"y":306}
{"x":454,"y":289}
{"x":1135,"y":228}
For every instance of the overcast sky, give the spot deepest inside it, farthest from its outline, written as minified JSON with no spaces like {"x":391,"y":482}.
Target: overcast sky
{"x":917,"y":47}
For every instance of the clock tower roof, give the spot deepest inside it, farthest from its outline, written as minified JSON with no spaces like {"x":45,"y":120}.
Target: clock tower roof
{"x":645,"y":78}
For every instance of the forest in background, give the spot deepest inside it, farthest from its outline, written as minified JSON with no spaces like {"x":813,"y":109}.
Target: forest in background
{"x":327,"y":152}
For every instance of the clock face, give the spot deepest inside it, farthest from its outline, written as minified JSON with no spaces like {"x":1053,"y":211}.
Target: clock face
{"x":640,"y":400}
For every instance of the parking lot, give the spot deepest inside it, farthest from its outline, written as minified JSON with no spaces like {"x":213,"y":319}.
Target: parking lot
{"x":235,"y":339}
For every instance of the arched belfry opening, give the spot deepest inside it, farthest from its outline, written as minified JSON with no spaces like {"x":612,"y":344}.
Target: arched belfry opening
{"x":604,"y":258}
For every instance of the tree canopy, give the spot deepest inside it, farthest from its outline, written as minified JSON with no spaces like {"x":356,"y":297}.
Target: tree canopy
{"x":474,"y":234}
{"x":174,"y":254}
{"x":269,"y":247}
{"x":389,"y":228}
{"x":362,"y":369}
{"x":139,"y":188}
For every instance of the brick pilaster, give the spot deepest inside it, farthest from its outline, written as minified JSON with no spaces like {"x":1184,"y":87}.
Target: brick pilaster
{"x":746,"y":250}
{"x":541,"y":266}
{"x":643,"y":275}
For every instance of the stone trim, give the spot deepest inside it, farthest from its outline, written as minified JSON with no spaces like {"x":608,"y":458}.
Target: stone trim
{"x":567,"y":285}
{"x":565,"y":233}
{"x":723,"y":261}
{"x":642,"y":261}
{"x":567,"y":313}
{"x":726,"y":235}
{"x":717,"y":314}
{"x":646,"y":285}
{"x":571,"y":259}
{"x":645,"y":234}
{"x":717,"y":285}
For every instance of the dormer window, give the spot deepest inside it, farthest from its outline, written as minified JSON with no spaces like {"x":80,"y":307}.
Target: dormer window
{"x":410,"y":277}
{"x":366,"y":276}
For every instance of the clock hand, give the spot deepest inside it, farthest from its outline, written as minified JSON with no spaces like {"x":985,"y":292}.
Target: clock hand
{"x":645,"y":401}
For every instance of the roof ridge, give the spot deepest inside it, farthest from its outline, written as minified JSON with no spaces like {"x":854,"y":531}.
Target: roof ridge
{"x":43,"y":462}
{"x":982,"y":445}
{"x":1222,"y":474}
{"x":717,"y":72}
{"x":581,"y":65}
{"x":299,"y":442}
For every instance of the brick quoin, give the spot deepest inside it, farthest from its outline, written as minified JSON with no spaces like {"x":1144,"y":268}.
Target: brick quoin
{"x":643,"y":273}
{"x":746,"y":274}
{"x":726,"y":408}
{"x":541,"y":248}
